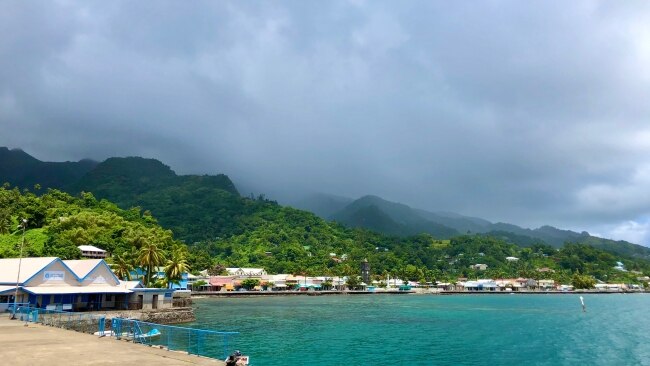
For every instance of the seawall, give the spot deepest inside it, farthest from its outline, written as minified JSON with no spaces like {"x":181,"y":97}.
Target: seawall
{"x":160,"y":316}
{"x":289,"y":293}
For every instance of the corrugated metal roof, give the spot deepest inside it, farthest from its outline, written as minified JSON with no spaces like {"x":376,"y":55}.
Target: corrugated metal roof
{"x":65,"y":290}
{"x":221,"y":281}
{"x":81,"y":267}
{"x":130,"y":284}
{"x":7,"y":289}
{"x":28,"y":268}
{"x":90,"y":248}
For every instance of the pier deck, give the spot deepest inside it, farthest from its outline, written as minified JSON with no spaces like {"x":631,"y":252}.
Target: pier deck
{"x":38,"y":344}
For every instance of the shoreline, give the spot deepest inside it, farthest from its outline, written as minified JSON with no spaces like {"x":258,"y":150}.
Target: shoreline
{"x":207,"y":294}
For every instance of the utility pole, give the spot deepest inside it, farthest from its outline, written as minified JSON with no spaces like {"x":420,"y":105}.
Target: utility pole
{"x":23,"y":224}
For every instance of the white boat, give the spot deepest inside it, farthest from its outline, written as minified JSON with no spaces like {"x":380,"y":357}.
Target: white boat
{"x":152,"y":334}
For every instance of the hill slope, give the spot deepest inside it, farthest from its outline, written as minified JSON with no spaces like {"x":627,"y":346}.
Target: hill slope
{"x":321,"y":204}
{"x":405,"y":220}
{"x":21,"y":169}
{"x":194,"y":207}
{"x":58,"y":223}
{"x":374,"y":213}
{"x":206,"y":207}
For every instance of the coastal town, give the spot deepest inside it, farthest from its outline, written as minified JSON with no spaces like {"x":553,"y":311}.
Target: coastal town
{"x":246,"y":280}
{"x":90,"y":285}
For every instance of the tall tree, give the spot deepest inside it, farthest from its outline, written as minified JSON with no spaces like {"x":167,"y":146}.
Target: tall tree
{"x":176,"y":266}
{"x":218,"y":270}
{"x":121,"y":267}
{"x":151,"y":256}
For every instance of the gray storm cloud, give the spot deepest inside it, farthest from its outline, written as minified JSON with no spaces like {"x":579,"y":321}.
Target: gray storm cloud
{"x":532,"y":113}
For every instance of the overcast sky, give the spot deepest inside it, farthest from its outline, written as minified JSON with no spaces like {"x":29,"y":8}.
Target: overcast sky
{"x":525,"y":112}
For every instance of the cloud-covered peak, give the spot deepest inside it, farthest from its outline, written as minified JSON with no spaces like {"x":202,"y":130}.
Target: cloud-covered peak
{"x":530,"y":113}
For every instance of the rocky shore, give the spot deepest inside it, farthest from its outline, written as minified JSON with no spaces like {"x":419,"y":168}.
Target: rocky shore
{"x":160,"y":316}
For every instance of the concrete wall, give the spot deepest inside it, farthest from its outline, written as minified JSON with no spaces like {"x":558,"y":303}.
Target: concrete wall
{"x":148,"y":299}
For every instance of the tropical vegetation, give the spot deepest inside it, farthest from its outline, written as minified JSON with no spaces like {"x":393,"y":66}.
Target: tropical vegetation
{"x":57,"y":223}
{"x":181,"y":223}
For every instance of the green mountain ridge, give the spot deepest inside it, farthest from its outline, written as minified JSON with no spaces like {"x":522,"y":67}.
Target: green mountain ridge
{"x":322,"y":204}
{"x":195,"y":207}
{"x":371,"y":211}
{"x":445,"y":225}
{"x":21,"y":169}
{"x":223,"y":228}
{"x":209,"y":209}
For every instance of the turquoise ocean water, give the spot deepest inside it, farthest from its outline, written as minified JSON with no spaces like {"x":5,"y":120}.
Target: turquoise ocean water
{"x":435,"y":330}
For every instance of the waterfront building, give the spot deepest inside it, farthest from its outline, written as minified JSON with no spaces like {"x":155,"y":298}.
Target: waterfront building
{"x":526,"y":283}
{"x":614,"y":287}
{"x":445,"y":286}
{"x":221,"y":283}
{"x":75,"y":285}
{"x":276,"y":282}
{"x":546,"y":284}
{"x":247,"y":272}
{"x":480,"y":285}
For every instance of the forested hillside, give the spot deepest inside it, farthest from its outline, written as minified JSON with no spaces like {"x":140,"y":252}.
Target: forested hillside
{"x":222,"y":228}
{"x":375,"y":213}
{"x":23,"y":170}
{"x":57,"y":223}
{"x":195,"y":207}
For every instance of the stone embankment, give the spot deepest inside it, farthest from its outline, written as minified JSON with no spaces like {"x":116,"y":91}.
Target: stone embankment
{"x":160,"y":316}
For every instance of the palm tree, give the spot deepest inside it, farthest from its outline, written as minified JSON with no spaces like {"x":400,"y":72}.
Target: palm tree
{"x":121,"y":267}
{"x":176,"y":266}
{"x":150,"y":257}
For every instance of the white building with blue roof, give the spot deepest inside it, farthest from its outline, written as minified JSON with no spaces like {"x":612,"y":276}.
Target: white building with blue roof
{"x":74,"y":285}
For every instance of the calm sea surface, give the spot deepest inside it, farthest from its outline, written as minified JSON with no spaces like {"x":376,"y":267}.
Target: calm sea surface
{"x":435,"y":330}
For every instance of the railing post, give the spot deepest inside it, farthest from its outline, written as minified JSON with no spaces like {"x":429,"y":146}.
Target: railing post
{"x":101,"y":326}
{"x":189,"y":343}
{"x":199,"y":340}
{"x":225,"y":346}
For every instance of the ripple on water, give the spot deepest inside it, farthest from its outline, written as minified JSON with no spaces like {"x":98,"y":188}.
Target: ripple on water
{"x":435,"y":330}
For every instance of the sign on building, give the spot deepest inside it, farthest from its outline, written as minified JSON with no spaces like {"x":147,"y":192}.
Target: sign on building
{"x":54,"y":276}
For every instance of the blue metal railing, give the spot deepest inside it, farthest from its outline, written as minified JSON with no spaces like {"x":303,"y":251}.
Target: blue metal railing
{"x":80,"y":322}
{"x":200,"y":342}
{"x":9,"y":307}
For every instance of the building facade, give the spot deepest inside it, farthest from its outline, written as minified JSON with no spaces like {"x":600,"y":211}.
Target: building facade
{"x":72,"y":285}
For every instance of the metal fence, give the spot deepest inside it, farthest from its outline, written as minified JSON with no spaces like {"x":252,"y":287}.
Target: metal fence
{"x":200,"y":342}
{"x":80,"y":322}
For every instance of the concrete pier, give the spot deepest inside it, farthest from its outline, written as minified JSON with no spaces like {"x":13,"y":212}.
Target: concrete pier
{"x":37,"y":344}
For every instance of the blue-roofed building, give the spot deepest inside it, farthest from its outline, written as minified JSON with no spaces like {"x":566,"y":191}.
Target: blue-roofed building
{"x":159,"y":273}
{"x":75,"y":285}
